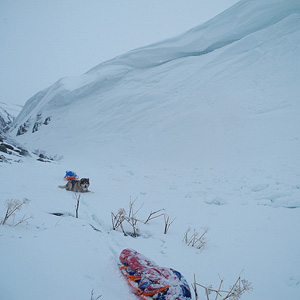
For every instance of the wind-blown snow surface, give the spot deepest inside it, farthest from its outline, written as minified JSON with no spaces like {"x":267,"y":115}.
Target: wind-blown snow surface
{"x":205,"y":125}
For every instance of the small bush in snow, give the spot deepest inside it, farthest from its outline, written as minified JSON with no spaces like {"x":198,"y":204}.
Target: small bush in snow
{"x":121,"y":216}
{"x":12,"y":207}
{"x":234,"y":292}
{"x":131,"y":219}
{"x":117,"y":219}
{"x":195,"y":239}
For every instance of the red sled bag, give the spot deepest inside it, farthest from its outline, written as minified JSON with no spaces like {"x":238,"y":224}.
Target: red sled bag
{"x":151,"y":281}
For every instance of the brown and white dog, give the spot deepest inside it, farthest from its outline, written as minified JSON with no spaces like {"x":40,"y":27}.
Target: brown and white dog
{"x":77,"y":186}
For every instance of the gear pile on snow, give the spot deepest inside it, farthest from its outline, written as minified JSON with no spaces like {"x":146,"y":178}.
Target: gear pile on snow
{"x":151,"y":281}
{"x":70,"y":175}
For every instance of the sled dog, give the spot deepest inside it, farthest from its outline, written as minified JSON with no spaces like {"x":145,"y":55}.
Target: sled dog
{"x":77,"y":186}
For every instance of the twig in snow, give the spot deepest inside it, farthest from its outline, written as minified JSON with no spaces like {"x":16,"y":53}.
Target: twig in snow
{"x":151,"y":215}
{"x":167,"y":223}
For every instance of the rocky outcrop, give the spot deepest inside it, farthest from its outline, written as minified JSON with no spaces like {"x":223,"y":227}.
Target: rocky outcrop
{"x":34,"y":124}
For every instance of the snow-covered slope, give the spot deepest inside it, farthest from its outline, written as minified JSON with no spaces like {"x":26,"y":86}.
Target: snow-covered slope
{"x":240,"y":66}
{"x":205,"y":125}
{"x":10,"y":150}
{"x":8,"y":112}
{"x":5,"y":118}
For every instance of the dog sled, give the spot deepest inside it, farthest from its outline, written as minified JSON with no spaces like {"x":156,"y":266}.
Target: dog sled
{"x":150,"y":281}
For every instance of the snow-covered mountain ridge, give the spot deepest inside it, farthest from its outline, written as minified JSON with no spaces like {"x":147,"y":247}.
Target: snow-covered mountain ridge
{"x":5,"y":118}
{"x":251,"y":29}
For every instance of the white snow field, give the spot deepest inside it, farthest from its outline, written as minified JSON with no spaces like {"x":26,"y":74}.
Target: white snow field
{"x":205,"y":125}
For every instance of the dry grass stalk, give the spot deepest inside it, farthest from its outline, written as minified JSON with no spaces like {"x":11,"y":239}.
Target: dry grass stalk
{"x":167,"y":223}
{"x":77,"y":197}
{"x":23,"y":220}
{"x":92,"y":296}
{"x":96,"y":229}
{"x":235,"y":292}
{"x":131,"y":219}
{"x":118,"y":219}
{"x":195,"y":240}
{"x":194,"y":287}
{"x":12,"y":207}
{"x":132,"y":213}
{"x":153,"y":215}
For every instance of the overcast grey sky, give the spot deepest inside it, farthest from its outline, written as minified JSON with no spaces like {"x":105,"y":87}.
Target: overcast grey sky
{"x":42,"y":41}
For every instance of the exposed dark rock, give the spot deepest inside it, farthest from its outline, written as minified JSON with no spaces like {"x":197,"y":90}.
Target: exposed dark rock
{"x":3,"y":158}
{"x":57,"y":214}
{"x":37,"y":123}
{"x":22,"y":152}
{"x":3,"y":148}
{"x":24,"y":127}
{"x":47,"y":120}
{"x":7,"y":146}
